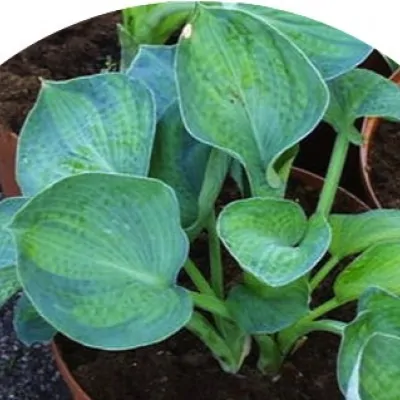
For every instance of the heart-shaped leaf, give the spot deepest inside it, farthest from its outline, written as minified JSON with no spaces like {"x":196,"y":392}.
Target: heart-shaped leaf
{"x":377,"y":266}
{"x":267,"y":310}
{"x":29,"y":326}
{"x":104,"y":123}
{"x":332,"y":51}
{"x":364,"y":360}
{"x":9,"y":283}
{"x":154,"y":65}
{"x":272,"y":238}
{"x":239,"y":90}
{"x":194,"y":170}
{"x":361,"y":93}
{"x":98,"y":256}
{"x":353,"y":233}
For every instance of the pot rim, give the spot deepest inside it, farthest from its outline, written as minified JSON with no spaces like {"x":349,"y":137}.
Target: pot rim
{"x":306,"y":176}
{"x":368,"y":130}
{"x":8,"y":154}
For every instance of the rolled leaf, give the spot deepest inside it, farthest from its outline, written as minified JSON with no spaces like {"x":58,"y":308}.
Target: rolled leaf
{"x":368,"y":354}
{"x":99,"y":123}
{"x":354,"y":233}
{"x":129,"y":47}
{"x":268,"y":310}
{"x":194,"y":170}
{"x":99,"y":255}
{"x":9,"y":283}
{"x":332,"y":51}
{"x":377,"y":266}
{"x":29,"y":326}
{"x":272,"y":238}
{"x":155,"y":23}
{"x":240,"y":91}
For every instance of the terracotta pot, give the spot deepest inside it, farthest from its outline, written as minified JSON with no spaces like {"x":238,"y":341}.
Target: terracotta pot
{"x":306,"y":177}
{"x":76,"y":391}
{"x":316,"y":148}
{"x":369,"y":129}
{"x":8,"y":150}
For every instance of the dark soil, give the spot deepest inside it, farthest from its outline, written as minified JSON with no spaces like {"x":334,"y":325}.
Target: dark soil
{"x":82,"y":49}
{"x":384,"y":162}
{"x":181,"y":368}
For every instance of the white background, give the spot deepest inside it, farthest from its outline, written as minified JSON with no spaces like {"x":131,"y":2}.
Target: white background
{"x":23,"y":22}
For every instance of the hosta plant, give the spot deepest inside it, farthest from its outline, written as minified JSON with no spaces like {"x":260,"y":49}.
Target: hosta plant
{"x":120,"y":172}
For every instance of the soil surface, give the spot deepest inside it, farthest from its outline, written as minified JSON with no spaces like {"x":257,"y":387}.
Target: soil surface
{"x":384,"y":163}
{"x":180,"y":368}
{"x":82,"y":49}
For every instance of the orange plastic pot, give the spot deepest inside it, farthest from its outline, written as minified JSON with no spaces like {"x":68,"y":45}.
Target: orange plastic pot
{"x":305,"y":177}
{"x":369,"y":128}
{"x":8,"y":151}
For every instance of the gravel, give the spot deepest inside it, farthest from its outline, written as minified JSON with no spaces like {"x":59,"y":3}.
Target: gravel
{"x":26,"y":373}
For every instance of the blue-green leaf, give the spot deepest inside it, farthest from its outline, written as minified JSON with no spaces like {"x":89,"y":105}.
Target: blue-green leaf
{"x":9,"y":283}
{"x":194,"y":170}
{"x":379,"y":266}
{"x":375,"y":382}
{"x":239,"y":91}
{"x":265,"y":310}
{"x":99,"y":123}
{"x":99,"y":255}
{"x":154,"y":65}
{"x":332,"y":51}
{"x":366,"y":357}
{"x":361,"y":93}
{"x":29,"y":326}
{"x":272,"y":238}
{"x":353,"y":234}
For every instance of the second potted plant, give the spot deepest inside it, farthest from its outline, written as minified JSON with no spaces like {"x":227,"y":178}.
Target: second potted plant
{"x":379,"y":157}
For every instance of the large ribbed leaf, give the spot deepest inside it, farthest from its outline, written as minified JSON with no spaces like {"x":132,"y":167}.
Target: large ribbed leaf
{"x":332,"y":51}
{"x":272,"y":238}
{"x":9,"y":283}
{"x":354,"y":233}
{"x":246,"y":89}
{"x":375,"y":382}
{"x":103,"y":122}
{"x":369,"y":354}
{"x":98,"y":256}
